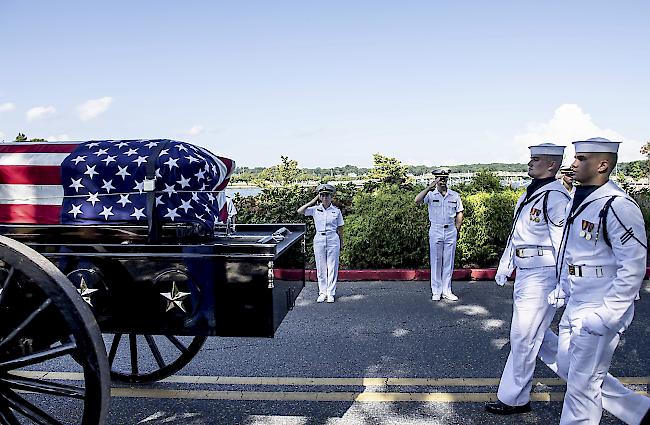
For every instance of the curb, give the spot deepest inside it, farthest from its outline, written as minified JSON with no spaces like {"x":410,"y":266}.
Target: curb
{"x":393,"y":274}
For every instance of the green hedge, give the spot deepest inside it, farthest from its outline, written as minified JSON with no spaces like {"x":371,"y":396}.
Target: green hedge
{"x":384,"y":228}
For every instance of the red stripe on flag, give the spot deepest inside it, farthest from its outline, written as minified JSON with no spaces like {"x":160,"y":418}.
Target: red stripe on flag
{"x":30,"y":174}
{"x":30,"y":214}
{"x":31,"y":147}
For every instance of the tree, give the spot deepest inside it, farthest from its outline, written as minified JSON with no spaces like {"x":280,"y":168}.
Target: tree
{"x":288,"y":171}
{"x":483,"y":181}
{"x":388,"y":170}
{"x":22,"y":138}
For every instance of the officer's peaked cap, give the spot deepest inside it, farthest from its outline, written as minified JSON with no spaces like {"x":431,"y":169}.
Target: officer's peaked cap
{"x":546,"y":149}
{"x":440,"y":172}
{"x":326,"y":187}
{"x":596,"y":144}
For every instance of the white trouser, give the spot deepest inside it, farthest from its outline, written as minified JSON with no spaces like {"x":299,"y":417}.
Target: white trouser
{"x":585,"y":360}
{"x":326,"y":252}
{"x":531,"y":318}
{"x":442,"y":249}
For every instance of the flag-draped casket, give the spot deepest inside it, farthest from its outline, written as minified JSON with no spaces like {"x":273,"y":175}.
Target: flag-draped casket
{"x":105,"y":182}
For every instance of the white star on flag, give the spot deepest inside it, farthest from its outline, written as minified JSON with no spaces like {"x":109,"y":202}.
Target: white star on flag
{"x":78,"y":159}
{"x":181,"y":148}
{"x":92,"y":145}
{"x":184,"y":182}
{"x":151,"y":144}
{"x":107,"y":212}
{"x":93,"y":198}
{"x":159,"y":200}
{"x":191,"y":159}
{"x":195,"y":196}
{"x":123,"y":173}
{"x":101,"y":152}
{"x":139,"y":186}
{"x":90,"y":171}
{"x":109,"y":159}
{"x":169,"y":190}
{"x":172,"y":162}
{"x":124,"y":199}
{"x":172,"y":214}
{"x":122,"y":144}
{"x":140,"y":160}
{"x":108,"y":185}
{"x":163,"y":152}
{"x":131,"y":151}
{"x":76,"y":184}
{"x":137,"y":213}
{"x":211,"y":198}
{"x":200,"y":175}
{"x":185,"y":205}
{"x":76,"y":209}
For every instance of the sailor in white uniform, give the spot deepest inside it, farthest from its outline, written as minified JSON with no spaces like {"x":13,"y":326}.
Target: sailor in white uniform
{"x":531,"y":249}
{"x":328,"y":240}
{"x":446,"y":217}
{"x":601,"y":265}
{"x":530,"y":333}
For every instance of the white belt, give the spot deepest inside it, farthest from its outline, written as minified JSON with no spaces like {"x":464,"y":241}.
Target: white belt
{"x":592,"y":271}
{"x":533,"y":251}
{"x":444,"y":226}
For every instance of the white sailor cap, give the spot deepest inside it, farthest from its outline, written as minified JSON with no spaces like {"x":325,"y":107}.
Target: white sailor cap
{"x":546,"y":149}
{"x":326,"y":187}
{"x":596,"y":144}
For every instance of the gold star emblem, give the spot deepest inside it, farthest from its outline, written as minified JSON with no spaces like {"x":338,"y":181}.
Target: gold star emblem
{"x":175,"y":298}
{"x":86,"y":292}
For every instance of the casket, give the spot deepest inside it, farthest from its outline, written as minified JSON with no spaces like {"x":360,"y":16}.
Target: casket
{"x":112,"y":182}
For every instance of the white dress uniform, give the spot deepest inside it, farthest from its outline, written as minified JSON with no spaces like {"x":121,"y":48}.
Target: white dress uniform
{"x":230,"y":205}
{"x":531,"y":250}
{"x":442,"y":237}
{"x":600,"y":281}
{"x":327,"y":246}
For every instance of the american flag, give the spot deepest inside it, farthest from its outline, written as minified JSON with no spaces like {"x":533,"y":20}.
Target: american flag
{"x":103,"y":182}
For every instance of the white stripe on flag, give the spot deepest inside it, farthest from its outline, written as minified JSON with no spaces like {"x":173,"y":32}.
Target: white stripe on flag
{"x":32,"y":158}
{"x":31,"y":194}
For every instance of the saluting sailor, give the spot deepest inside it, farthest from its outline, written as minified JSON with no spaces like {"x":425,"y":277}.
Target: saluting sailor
{"x":601,"y":265}
{"x":328,"y":240}
{"x":446,"y":217}
{"x":531,"y":249}
{"x":566,"y":176}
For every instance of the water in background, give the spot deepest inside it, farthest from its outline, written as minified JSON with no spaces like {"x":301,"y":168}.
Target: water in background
{"x":243,"y":191}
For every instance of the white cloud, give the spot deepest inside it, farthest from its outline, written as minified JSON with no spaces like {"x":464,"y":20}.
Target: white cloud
{"x":59,"y":138}
{"x":7,"y":106}
{"x":570,"y":123}
{"x":94,"y":107}
{"x":195,"y":130}
{"x":40,"y":112}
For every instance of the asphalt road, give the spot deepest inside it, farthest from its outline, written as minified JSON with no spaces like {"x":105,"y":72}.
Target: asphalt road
{"x":433,"y":363}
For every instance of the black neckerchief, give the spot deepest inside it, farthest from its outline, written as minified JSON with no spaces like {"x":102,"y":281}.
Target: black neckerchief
{"x":581,"y":194}
{"x":536,"y":184}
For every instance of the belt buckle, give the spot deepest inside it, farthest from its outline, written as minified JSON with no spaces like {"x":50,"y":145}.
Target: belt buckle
{"x":572,"y":270}
{"x":599,"y":271}
{"x":540,"y":251}
{"x":519,"y":252}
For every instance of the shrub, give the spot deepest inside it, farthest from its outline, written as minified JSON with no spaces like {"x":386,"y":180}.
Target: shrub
{"x":386,"y":229}
{"x":487,"y":224}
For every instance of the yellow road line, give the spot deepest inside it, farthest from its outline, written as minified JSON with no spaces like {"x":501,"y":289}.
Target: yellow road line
{"x":298,"y":381}
{"x":442,"y":397}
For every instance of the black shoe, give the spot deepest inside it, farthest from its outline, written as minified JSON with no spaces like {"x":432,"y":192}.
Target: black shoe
{"x":500,"y":408}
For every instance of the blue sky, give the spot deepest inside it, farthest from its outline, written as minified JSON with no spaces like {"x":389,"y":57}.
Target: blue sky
{"x":329,"y":83}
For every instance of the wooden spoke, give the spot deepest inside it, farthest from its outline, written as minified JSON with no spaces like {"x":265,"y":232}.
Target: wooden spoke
{"x":113,"y":350}
{"x":6,"y":415}
{"x":5,"y":284}
{"x":133,"y":343}
{"x":28,"y":410}
{"x":177,"y":343}
{"x":38,"y":357}
{"x":42,"y":387}
{"x":155,"y":351}
{"x":21,"y":327}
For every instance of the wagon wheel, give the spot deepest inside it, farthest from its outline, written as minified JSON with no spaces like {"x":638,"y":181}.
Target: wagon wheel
{"x":147,"y":358}
{"x":45,"y":324}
